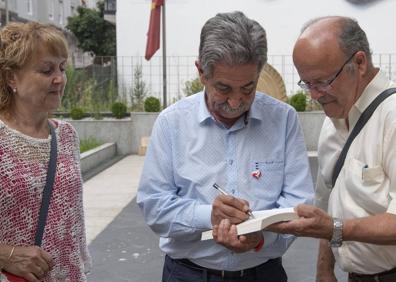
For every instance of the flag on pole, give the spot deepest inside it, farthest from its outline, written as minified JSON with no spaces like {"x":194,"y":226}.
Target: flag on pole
{"x":153,"y":34}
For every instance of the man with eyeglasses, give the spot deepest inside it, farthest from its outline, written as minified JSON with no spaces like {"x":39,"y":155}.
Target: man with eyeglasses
{"x":333,"y":59}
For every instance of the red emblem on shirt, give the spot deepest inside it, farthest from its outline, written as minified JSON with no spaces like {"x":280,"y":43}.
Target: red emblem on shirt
{"x":256,"y":174}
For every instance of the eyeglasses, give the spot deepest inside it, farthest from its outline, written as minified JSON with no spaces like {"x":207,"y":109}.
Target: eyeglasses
{"x":324,"y":85}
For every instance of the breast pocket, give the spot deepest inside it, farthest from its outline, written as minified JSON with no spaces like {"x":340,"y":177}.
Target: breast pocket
{"x":267,"y":179}
{"x":367,"y":185}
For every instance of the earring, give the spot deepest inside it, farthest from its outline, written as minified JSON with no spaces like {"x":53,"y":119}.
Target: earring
{"x":14,"y":90}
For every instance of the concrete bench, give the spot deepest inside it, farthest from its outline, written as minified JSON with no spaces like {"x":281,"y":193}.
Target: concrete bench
{"x":144,"y":141}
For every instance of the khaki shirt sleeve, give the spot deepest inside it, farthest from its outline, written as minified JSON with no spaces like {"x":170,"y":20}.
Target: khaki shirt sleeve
{"x":390,"y":163}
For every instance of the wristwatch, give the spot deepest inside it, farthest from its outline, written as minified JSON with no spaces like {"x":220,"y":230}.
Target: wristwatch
{"x":336,"y":239}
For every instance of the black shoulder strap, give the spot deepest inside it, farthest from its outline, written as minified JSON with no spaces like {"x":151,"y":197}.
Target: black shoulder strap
{"x":355,"y":131}
{"x":47,"y":192}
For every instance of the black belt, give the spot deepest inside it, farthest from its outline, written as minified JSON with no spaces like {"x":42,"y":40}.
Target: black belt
{"x":226,"y":273}
{"x":386,"y":276}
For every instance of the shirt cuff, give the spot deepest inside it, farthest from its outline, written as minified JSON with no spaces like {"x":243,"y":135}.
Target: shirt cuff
{"x":392,"y":207}
{"x":202,"y":217}
{"x":269,"y":238}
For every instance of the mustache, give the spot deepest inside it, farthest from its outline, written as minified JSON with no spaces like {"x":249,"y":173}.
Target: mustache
{"x":321,"y":101}
{"x":324,"y":100}
{"x":225,"y":107}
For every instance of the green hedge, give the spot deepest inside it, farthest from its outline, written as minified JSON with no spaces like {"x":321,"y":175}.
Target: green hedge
{"x":299,"y":101}
{"x":152,"y":104}
{"x":77,"y":113}
{"x":119,"y":110}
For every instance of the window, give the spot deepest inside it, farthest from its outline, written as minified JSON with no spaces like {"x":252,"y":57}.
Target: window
{"x":29,"y":7}
{"x":61,"y":12}
{"x":110,"y":5}
{"x":51,"y":9}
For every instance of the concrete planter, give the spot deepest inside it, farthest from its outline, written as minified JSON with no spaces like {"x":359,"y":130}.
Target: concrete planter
{"x":99,"y":155}
{"x":125,"y":136}
{"x":311,"y":123}
{"x":127,"y":132}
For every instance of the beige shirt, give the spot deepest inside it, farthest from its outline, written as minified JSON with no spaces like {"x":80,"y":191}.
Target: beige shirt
{"x":366,"y":184}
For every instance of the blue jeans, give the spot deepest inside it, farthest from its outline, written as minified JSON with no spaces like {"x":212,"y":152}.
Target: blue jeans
{"x":178,"y":271}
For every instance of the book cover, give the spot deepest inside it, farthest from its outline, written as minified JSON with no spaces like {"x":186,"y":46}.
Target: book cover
{"x":260,"y":221}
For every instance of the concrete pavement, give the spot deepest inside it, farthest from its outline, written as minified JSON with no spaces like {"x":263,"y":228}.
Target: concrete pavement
{"x":107,"y":193}
{"x":123,"y":248}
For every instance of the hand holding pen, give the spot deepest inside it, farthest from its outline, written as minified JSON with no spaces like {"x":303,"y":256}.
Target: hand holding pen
{"x":222,"y":191}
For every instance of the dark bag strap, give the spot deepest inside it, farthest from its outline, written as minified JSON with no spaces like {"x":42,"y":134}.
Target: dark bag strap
{"x":355,"y":131}
{"x":47,"y":192}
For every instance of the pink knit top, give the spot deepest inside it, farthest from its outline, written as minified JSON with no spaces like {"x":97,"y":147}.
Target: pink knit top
{"x":23,"y":170}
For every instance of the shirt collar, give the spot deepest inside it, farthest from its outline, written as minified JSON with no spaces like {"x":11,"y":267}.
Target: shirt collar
{"x":204,"y":114}
{"x":255,"y":112}
{"x":376,"y":86}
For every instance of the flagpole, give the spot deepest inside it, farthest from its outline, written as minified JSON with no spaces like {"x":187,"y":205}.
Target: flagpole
{"x":164,"y":96}
{"x":7,"y":19}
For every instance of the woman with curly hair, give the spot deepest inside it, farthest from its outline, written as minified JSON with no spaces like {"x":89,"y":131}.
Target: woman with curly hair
{"x":33,"y":60}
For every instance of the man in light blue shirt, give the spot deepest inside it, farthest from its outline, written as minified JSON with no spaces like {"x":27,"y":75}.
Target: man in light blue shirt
{"x":247,"y":142}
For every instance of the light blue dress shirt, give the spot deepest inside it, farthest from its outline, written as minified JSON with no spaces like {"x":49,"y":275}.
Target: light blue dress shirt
{"x":189,"y":151}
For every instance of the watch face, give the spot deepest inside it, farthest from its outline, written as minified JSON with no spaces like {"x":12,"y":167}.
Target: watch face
{"x":336,"y":239}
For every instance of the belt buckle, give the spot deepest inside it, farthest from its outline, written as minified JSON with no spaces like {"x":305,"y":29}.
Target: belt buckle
{"x":223,"y":273}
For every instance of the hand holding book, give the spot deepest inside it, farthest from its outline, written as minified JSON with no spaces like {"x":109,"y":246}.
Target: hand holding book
{"x":261,"y":220}
{"x":312,"y":222}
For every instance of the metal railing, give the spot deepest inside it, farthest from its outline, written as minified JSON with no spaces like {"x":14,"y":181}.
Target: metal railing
{"x":181,"y":69}
{"x":110,"y":7}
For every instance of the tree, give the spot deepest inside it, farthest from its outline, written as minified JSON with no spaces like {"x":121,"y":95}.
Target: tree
{"x":139,"y":90}
{"x":93,"y":32}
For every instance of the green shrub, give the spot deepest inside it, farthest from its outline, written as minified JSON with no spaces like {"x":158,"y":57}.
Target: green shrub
{"x":88,"y":144}
{"x":152,"y":104}
{"x":119,"y":110}
{"x":112,"y":92}
{"x":77,"y":113}
{"x":192,"y":86}
{"x":299,"y":101}
{"x":139,"y":90}
{"x":97,"y":115}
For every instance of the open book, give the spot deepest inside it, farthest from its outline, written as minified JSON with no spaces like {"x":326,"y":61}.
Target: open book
{"x":262,"y":219}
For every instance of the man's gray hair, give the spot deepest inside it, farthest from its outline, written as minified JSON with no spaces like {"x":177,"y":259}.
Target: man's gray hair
{"x":232,"y":39}
{"x":351,"y":38}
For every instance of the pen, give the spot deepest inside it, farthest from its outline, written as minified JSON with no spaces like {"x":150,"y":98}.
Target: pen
{"x":221,"y":190}
{"x":363,"y":169}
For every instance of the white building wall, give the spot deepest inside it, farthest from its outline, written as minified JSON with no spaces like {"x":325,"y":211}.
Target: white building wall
{"x":91,"y":3}
{"x":282,"y":19}
{"x":46,"y":11}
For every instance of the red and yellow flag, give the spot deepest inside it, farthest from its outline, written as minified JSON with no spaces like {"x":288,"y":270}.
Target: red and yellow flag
{"x":153,"y":34}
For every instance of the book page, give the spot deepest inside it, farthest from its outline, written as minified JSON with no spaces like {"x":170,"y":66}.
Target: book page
{"x":262,"y":219}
